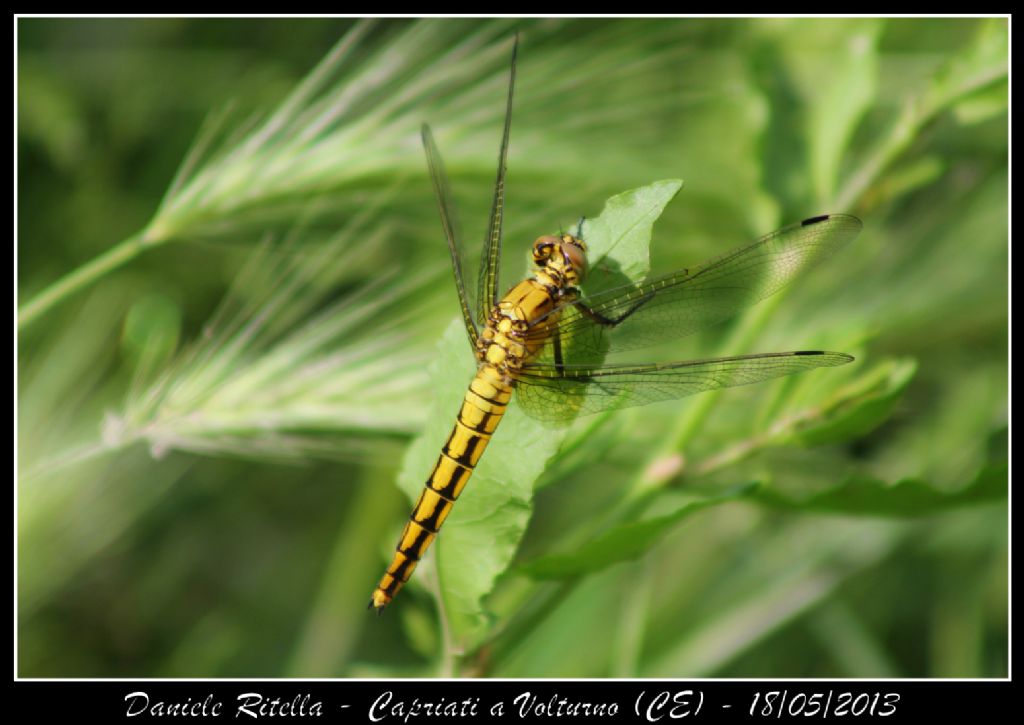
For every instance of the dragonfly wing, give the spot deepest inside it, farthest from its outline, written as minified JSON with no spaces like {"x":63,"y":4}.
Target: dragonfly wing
{"x":442,"y":190}
{"x":551,"y":393}
{"x":487,"y":284}
{"x":688,"y":300}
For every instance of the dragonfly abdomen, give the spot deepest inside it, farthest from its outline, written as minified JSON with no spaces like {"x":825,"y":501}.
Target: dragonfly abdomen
{"x":482,"y":408}
{"x":502,"y":348}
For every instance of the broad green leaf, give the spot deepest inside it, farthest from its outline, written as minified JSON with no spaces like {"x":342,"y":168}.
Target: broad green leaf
{"x":865,"y":496}
{"x":838,"y":107}
{"x":619,"y":238}
{"x":978,"y":65}
{"x":981,"y":106}
{"x":623,"y":542}
{"x":905,"y":177}
{"x":858,"y":408}
{"x":481,"y":535}
{"x":827,"y":84}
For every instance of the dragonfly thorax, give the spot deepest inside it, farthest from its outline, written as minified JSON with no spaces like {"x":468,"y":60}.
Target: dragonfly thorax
{"x":563,"y":259}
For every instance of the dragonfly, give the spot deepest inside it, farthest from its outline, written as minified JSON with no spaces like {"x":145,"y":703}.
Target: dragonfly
{"x":546,"y":340}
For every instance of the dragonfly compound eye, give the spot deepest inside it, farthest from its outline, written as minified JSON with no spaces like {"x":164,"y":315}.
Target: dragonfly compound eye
{"x":576,"y":256}
{"x":542,"y":249}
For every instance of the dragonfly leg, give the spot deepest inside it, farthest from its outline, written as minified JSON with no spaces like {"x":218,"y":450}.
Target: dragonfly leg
{"x":614,"y":321}
{"x":556,"y":343}
{"x":579,"y":227}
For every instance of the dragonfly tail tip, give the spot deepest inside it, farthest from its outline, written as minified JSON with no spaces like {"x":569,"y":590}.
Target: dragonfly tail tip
{"x":377,"y":605}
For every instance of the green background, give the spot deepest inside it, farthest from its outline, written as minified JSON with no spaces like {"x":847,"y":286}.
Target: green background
{"x":212,"y":417}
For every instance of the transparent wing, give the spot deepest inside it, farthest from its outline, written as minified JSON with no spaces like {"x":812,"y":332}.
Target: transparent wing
{"x":487,"y":283}
{"x":688,"y":300}
{"x":552,"y":393}
{"x":442,"y":190}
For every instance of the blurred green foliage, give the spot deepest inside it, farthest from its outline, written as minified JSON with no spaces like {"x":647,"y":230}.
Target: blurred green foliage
{"x":231,"y":227}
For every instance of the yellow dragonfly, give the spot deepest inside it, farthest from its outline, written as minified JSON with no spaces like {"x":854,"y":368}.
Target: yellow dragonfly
{"x":546,"y":340}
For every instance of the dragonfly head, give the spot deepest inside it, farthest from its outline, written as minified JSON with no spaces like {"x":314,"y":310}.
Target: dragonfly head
{"x":564,"y":258}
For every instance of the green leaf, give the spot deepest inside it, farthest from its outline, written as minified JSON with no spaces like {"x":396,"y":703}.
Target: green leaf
{"x":858,"y":408}
{"x":480,"y":537}
{"x":619,"y":238}
{"x":625,"y":541}
{"x":866,"y":496}
{"x":973,"y":69}
{"x":983,"y":105}
{"x":904,"y":178}
{"x":839,"y":106}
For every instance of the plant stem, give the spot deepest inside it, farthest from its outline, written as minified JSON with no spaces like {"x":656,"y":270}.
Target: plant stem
{"x":84,"y":275}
